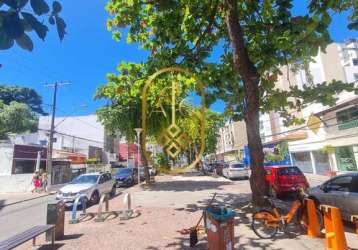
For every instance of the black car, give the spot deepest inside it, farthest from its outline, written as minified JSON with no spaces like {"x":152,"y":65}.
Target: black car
{"x":340,"y":191}
{"x":126,"y":177}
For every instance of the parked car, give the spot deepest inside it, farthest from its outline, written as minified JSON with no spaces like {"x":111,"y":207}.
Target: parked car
{"x":235,"y":170}
{"x":93,"y":185}
{"x":285,"y":179}
{"x":126,"y":177}
{"x":340,"y":191}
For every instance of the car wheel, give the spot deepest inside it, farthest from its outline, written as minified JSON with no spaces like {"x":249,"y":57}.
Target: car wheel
{"x":113,"y":191}
{"x":94,"y":198}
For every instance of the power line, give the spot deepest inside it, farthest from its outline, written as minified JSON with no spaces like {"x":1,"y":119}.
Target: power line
{"x":306,"y":126}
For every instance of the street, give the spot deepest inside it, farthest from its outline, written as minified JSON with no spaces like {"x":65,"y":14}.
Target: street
{"x":19,"y":217}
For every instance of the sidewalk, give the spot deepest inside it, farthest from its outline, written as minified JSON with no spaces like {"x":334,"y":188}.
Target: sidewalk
{"x":172,"y":204}
{"x":7,"y":199}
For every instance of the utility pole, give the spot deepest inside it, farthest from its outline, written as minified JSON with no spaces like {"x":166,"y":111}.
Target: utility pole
{"x":52,"y":128}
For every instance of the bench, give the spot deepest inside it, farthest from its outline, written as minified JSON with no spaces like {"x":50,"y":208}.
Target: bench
{"x":27,"y":235}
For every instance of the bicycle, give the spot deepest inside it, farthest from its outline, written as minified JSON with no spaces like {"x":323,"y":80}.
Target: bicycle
{"x":266,"y":223}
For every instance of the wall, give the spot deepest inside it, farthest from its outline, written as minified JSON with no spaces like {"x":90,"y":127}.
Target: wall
{"x":6,"y":156}
{"x":16,"y":183}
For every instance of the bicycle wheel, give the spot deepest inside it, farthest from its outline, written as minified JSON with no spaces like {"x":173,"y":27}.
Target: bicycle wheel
{"x":264,"y":224}
{"x":302,"y":219}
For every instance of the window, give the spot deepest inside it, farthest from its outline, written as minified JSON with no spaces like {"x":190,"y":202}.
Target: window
{"x":342,"y":184}
{"x":354,"y":185}
{"x":347,"y":115}
{"x":355,"y":62}
{"x":102,"y":179}
{"x":289,"y":171}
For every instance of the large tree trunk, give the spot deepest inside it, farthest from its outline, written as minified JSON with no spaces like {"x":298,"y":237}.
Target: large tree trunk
{"x":250,"y":78}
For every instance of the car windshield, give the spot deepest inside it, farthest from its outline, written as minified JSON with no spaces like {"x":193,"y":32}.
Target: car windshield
{"x":85,"y":179}
{"x":289,"y":171}
{"x":124,"y":171}
{"x":237,"y":166}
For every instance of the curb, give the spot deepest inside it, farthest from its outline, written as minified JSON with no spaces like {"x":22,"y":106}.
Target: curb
{"x":17,"y":202}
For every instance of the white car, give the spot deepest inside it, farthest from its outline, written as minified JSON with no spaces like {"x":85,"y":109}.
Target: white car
{"x":235,"y":170}
{"x":93,"y":185}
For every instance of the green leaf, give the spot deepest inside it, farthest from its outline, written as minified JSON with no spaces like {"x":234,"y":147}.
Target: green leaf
{"x":11,"y":3}
{"x":56,"y":7}
{"x":51,"y":20}
{"x":353,"y":26}
{"x":12,"y":25}
{"x":21,"y":3}
{"x":25,"y":42}
{"x":5,"y":41}
{"x":40,"y":29}
{"x":40,"y":7}
{"x":61,"y":27}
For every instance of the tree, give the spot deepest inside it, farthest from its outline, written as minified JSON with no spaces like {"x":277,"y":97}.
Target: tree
{"x":25,"y":95}
{"x":16,"y":118}
{"x":17,"y":21}
{"x":252,"y":40}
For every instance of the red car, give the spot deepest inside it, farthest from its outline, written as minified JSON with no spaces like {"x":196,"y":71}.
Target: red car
{"x":285,"y":179}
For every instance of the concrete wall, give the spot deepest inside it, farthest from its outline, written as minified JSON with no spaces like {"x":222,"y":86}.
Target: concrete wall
{"x":6,"y":155}
{"x":16,"y":183}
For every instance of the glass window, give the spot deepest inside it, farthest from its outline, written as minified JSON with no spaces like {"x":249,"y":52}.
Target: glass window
{"x":289,"y":171}
{"x":238,"y":166}
{"x":342,"y":183}
{"x":354,"y":185}
{"x":347,"y":115}
{"x":85,"y":179}
{"x":355,"y":62}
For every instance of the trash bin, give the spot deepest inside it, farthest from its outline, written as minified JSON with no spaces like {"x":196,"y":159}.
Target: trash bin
{"x":56,"y":216}
{"x":220,"y":228}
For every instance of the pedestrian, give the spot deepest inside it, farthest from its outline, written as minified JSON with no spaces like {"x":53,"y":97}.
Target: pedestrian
{"x":36,"y":182}
{"x":44,"y":181}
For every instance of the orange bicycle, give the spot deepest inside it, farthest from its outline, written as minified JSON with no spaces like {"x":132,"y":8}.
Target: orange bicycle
{"x":266,"y":223}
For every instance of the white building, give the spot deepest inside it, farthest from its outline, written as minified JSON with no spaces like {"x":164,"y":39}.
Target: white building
{"x":334,"y":146}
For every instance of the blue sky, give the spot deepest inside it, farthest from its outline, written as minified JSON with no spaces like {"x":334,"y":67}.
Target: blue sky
{"x":85,"y":56}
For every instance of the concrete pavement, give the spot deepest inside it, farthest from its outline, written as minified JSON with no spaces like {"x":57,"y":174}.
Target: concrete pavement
{"x":171,"y":204}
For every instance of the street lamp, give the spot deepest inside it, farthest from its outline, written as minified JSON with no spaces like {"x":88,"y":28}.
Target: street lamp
{"x":138,"y":131}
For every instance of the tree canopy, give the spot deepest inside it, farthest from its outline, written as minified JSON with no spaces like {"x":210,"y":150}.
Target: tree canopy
{"x":237,"y":48}
{"x":16,"y":118}
{"x":20,"y":17}
{"x":28,"y":96}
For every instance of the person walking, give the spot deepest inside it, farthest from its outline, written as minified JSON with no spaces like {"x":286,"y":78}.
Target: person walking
{"x":36,"y":182}
{"x":44,"y":181}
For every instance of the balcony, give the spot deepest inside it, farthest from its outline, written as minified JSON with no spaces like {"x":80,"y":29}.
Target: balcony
{"x":348,"y":125}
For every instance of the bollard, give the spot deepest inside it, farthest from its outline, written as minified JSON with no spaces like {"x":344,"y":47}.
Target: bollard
{"x":82,"y":198}
{"x":335,"y":237}
{"x":127,"y":212}
{"x":102,"y":216}
{"x":354,"y":219}
{"x":313,"y":227}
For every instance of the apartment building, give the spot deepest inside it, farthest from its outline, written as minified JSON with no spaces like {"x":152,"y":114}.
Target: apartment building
{"x":331,"y":142}
{"x":231,"y":141}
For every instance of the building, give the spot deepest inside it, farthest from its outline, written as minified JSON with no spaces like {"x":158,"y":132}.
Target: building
{"x":328,"y":142}
{"x":231,"y":141}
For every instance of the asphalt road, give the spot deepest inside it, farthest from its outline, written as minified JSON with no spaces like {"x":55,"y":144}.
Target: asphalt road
{"x":21,"y":216}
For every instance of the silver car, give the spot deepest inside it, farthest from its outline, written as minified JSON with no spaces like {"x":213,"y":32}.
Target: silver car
{"x":235,"y":170}
{"x":340,"y":191}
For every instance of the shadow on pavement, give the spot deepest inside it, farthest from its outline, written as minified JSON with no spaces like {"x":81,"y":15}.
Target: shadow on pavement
{"x":186,"y":185}
{"x":50,"y":247}
{"x":72,"y":236}
{"x":2,"y":203}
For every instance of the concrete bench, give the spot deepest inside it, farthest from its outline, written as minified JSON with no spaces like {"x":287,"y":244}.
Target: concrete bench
{"x":27,"y":235}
